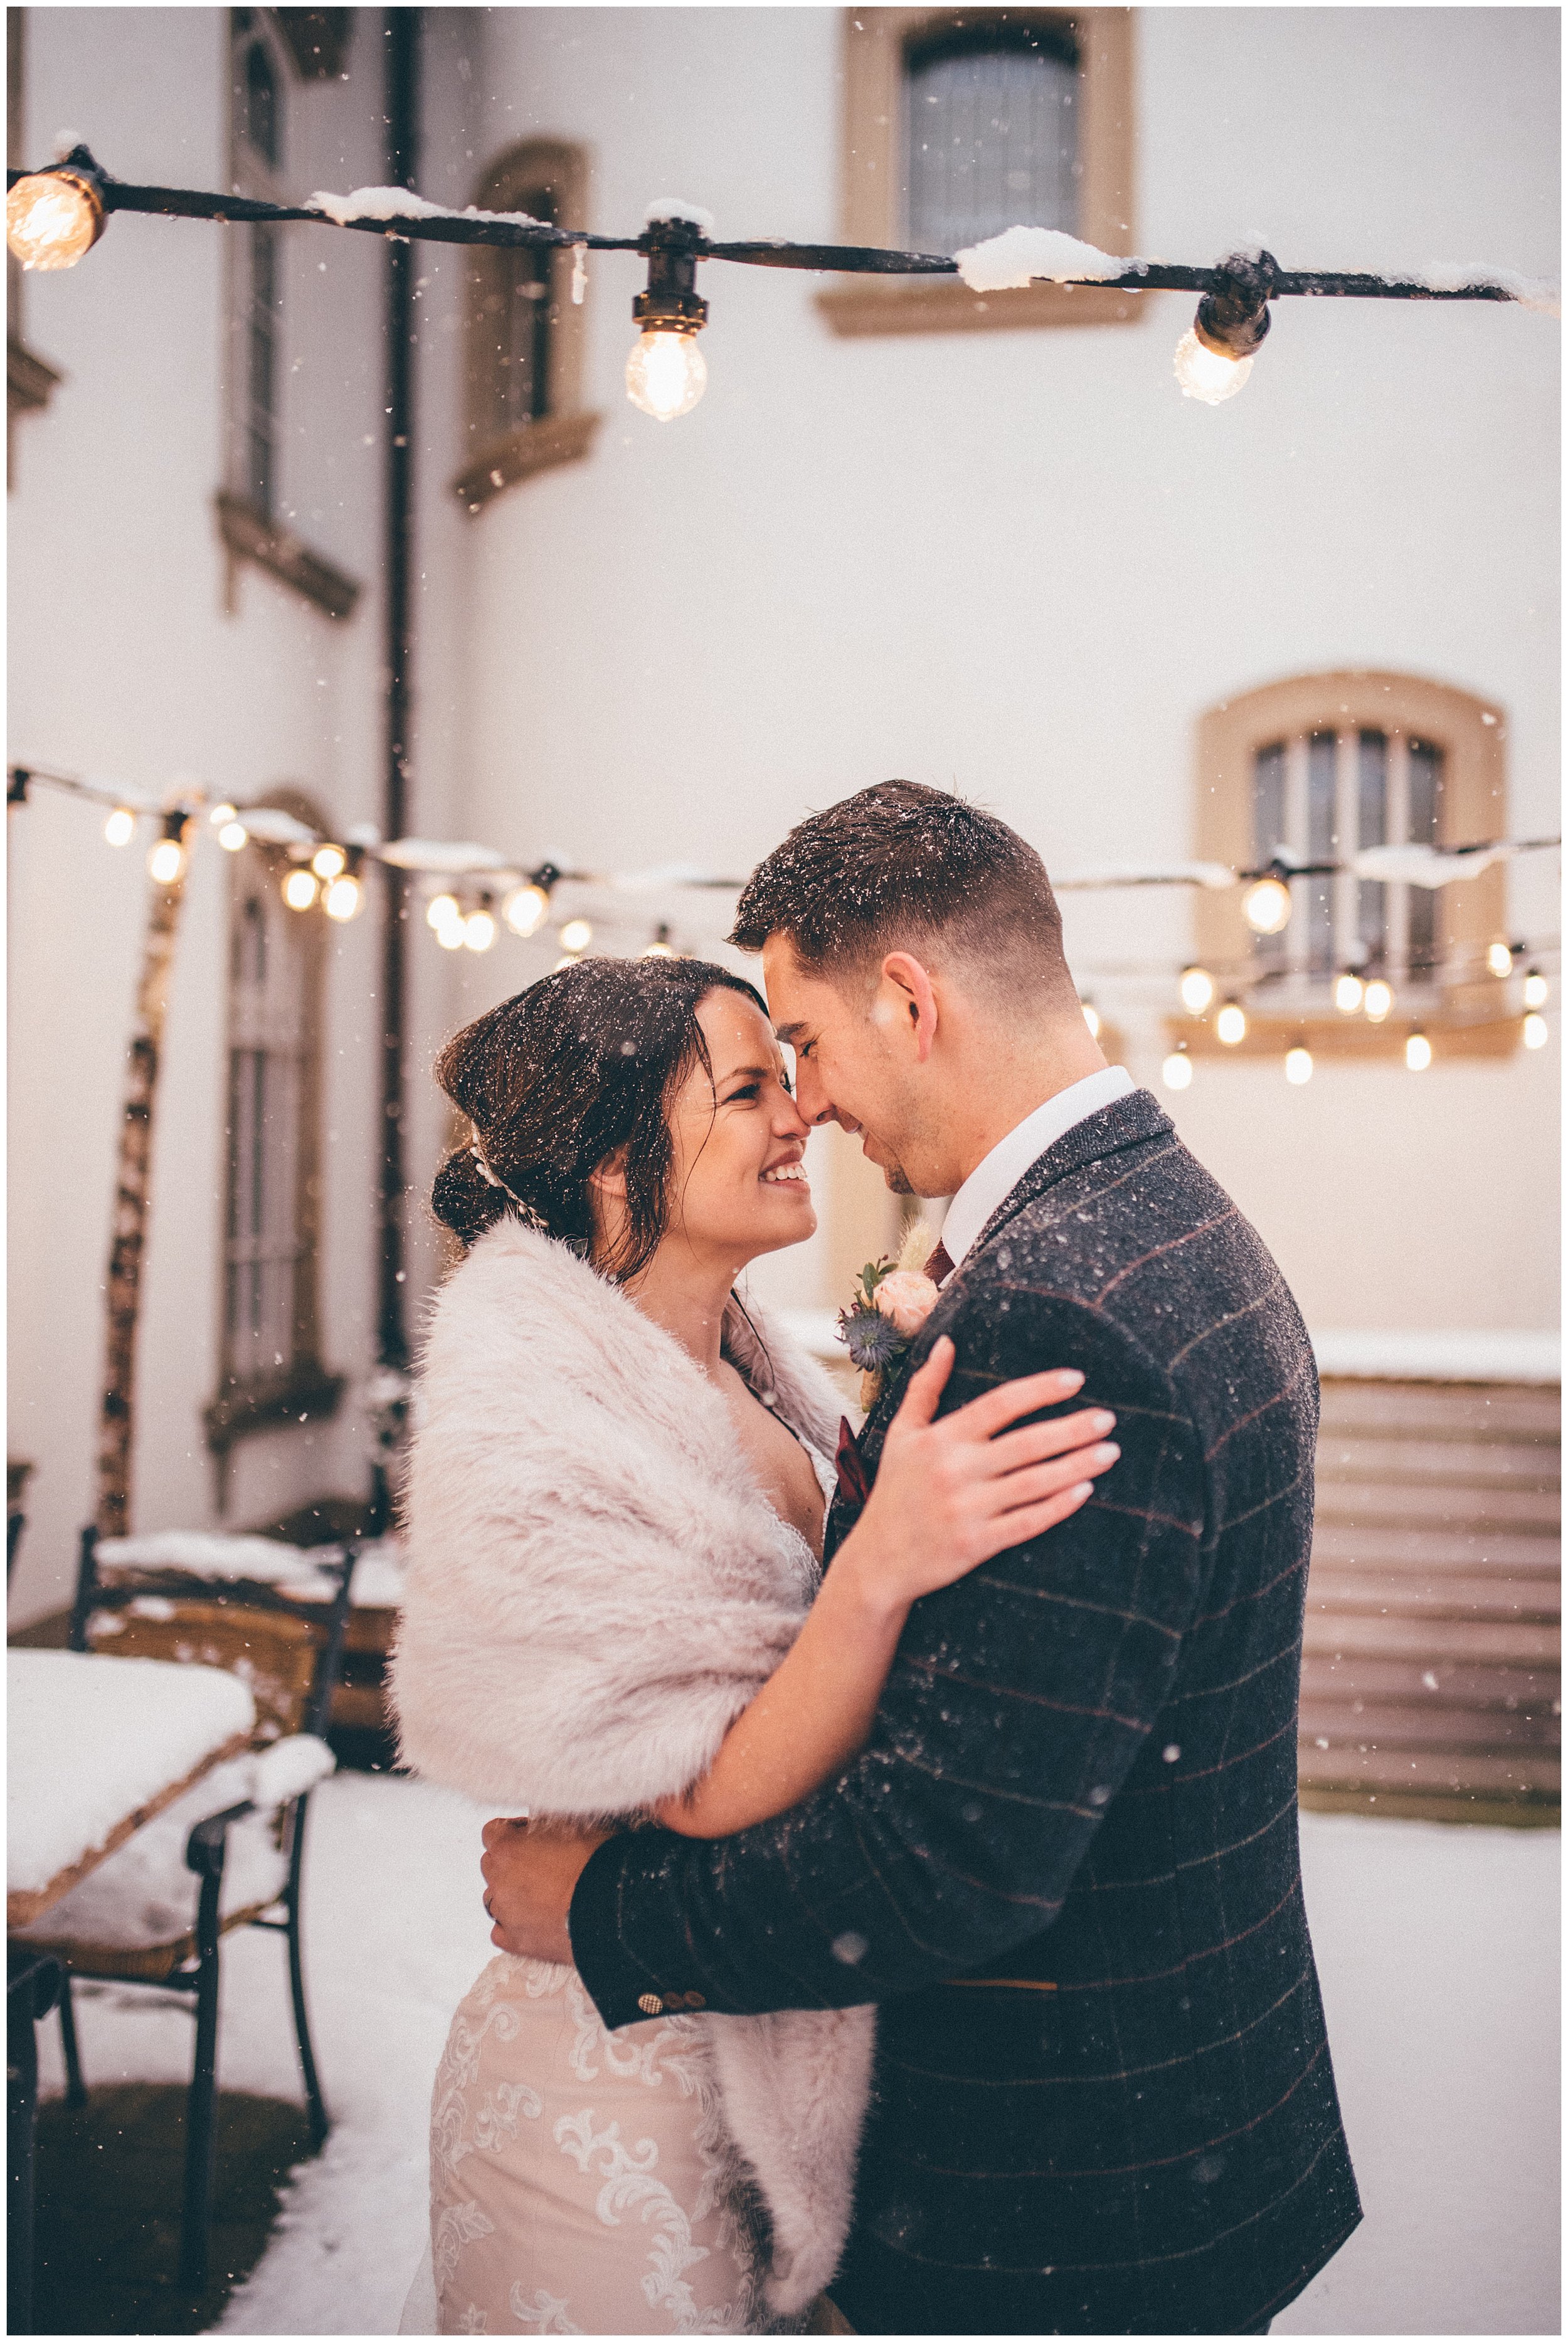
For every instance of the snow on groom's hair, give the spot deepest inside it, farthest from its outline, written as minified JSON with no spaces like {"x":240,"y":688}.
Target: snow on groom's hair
{"x":902,"y":866}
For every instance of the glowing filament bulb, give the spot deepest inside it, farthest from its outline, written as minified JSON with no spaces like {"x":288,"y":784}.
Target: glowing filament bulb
{"x":452,"y":934}
{"x":524,"y":909}
{"x":343,"y":898}
{"x":120,"y":826}
{"x":1092,"y":1018}
{"x":478,"y":931}
{"x":221,"y":813}
{"x":1537,"y":991}
{"x":327,"y":861}
{"x":167,"y":862}
{"x":1378,"y":1000}
{"x":299,"y":889}
{"x":233,"y":835}
{"x":1197,"y":990}
{"x":1208,"y":375}
{"x":660,"y":947}
{"x":1177,"y":1071}
{"x":1298,"y":1066}
{"x":1534,"y":1032}
{"x":1499,"y":960}
{"x":51,"y":218}
{"x":577,"y":936}
{"x":1349,"y":992}
{"x":1266,"y":906}
{"x":1231,"y":1024}
{"x":441,"y":911}
{"x":1417,"y":1052}
{"x":666,"y":374}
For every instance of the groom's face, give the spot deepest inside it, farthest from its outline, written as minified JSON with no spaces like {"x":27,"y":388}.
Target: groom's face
{"x":849,"y":1066}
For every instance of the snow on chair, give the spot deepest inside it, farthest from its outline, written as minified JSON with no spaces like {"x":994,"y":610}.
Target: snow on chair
{"x":229,"y":1853}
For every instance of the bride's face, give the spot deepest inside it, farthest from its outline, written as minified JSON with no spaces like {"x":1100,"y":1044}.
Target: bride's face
{"x":737,"y":1182}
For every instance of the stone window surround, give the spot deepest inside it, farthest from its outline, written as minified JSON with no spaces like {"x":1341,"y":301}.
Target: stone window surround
{"x":565,"y":433}
{"x":875,"y":41}
{"x":1472,"y":912}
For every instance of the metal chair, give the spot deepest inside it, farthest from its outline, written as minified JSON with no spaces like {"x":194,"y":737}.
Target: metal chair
{"x":287,"y":1644}
{"x":33,"y":1982}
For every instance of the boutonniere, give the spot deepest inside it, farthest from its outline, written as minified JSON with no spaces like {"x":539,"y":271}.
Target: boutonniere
{"x":892,"y":1300}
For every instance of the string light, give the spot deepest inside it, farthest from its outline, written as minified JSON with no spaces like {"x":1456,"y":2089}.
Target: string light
{"x":300,"y":888}
{"x":1215,"y":355}
{"x":343,"y":898}
{"x":1378,"y":1000}
{"x":479,"y":927}
{"x":1177,"y":1070}
{"x":1537,"y":991}
{"x":577,"y":936}
{"x":1534,"y":1032}
{"x":1298,"y":1065}
{"x":1417,"y":1052}
{"x":1197,"y":990}
{"x":666,"y":373}
{"x":441,"y":911}
{"x":451,"y":936}
{"x":167,"y":862}
{"x":120,"y":826}
{"x":53,"y":217}
{"x":233,"y":835}
{"x":1500,"y":960}
{"x":221,"y":813}
{"x":525,"y":907}
{"x":1266,"y":906}
{"x":1092,"y":1018}
{"x":1349,"y":992}
{"x":1231,"y":1024}
{"x":1208,"y":375}
{"x":327,"y":861}
{"x":660,"y":947}
{"x":567,"y":959}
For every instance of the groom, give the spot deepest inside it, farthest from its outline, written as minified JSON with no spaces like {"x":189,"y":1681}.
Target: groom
{"x":1066,"y":1866}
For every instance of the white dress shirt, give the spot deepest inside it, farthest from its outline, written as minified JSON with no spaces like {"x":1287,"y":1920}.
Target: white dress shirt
{"x":992,"y":1180}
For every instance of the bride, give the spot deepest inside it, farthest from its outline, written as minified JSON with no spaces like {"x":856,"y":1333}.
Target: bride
{"x":614,"y":1517}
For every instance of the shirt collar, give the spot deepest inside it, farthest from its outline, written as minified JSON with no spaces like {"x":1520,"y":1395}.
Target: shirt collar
{"x":992,"y":1180}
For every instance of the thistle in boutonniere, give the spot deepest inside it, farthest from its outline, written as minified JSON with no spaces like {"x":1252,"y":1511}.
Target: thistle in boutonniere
{"x":892,"y":1301}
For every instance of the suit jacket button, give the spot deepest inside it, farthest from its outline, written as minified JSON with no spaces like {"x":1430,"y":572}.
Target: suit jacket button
{"x":696,"y":2000}
{"x":650,"y":2003}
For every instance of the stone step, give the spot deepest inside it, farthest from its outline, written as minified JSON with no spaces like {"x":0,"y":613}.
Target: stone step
{"x":1523,"y":1412}
{"x":1394,"y":1724}
{"x":1355,"y":1457}
{"x":1342,"y":1594}
{"x":1530,"y":1775}
{"x":1440,"y":1505}
{"x":1379,"y":1545}
{"x":1428,"y":1641}
{"x":1444,"y":1682}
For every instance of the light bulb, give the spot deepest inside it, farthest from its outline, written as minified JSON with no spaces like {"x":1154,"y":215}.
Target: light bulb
{"x":167,"y":862}
{"x":1378,"y":1000}
{"x":666,"y":374}
{"x":1418,"y":1053}
{"x":1534,"y":1032}
{"x":327,"y":861}
{"x":523,"y":910}
{"x":1206,"y":374}
{"x":343,"y":898}
{"x":566,"y":960}
{"x":478,"y":931}
{"x":233,"y":835}
{"x":1092,"y":1018}
{"x":1537,"y":991}
{"x":1349,"y":992}
{"x":300,"y":888}
{"x":51,"y":218}
{"x":1177,"y":1071}
{"x":1499,"y":960}
{"x":1197,"y":990}
{"x":1266,"y":906}
{"x":577,"y":936}
{"x":120,"y":827}
{"x":659,"y":951}
{"x":1231,"y":1024}
{"x":1298,"y":1066}
{"x":441,"y":911}
{"x":221,"y":813}
{"x":450,"y":934}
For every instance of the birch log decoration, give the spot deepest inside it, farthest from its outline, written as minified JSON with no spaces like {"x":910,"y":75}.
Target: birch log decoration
{"x":132,"y":1196}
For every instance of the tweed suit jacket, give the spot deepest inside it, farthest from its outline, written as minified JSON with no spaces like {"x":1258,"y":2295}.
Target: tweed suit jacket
{"x":1065,"y":1865}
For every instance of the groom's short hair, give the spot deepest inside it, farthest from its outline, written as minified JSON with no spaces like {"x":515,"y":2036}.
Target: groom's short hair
{"x":902,"y":866}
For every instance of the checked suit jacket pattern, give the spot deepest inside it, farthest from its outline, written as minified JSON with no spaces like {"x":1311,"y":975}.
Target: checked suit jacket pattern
{"x":1066,"y":1865}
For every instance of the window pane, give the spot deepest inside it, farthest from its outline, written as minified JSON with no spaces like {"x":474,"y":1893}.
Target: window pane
{"x":991,"y":127}
{"x":1371,"y":829}
{"x":263,"y":105}
{"x":1425,"y":788}
{"x":517,"y":302}
{"x":261,"y":407}
{"x":1321,"y":837}
{"x":1269,"y":830}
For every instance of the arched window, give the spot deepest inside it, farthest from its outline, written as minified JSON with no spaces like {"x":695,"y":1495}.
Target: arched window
{"x":271,"y":1371}
{"x":991,"y":122}
{"x":1314,"y":769}
{"x":525,"y":330}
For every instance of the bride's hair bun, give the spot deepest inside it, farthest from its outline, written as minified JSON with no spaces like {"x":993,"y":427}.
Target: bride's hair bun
{"x":581,"y":1066}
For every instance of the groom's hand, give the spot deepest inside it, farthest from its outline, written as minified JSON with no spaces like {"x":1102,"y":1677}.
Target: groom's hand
{"x":530,"y":1870}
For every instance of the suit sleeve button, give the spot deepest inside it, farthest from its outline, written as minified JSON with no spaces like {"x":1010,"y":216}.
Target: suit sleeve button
{"x":696,"y":2000}
{"x":650,"y":2003}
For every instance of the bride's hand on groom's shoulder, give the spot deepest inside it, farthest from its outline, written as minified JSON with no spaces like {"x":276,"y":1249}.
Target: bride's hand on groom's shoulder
{"x":531,"y":1871}
{"x":951,"y":1492}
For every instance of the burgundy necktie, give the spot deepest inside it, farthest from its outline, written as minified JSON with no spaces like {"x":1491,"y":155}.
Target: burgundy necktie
{"x":939,"y":1267}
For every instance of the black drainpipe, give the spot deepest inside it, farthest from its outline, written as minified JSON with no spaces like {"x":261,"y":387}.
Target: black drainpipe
{"x":401,"y":32}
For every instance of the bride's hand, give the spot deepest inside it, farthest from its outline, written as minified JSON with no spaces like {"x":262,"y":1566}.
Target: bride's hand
{"x":951,"y":1493}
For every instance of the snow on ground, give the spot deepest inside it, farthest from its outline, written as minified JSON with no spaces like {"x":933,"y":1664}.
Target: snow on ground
{"x":1438,"y":1952}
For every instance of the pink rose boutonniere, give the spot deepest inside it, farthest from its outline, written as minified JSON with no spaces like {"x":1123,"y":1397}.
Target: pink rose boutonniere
{"x":892,"y":1301}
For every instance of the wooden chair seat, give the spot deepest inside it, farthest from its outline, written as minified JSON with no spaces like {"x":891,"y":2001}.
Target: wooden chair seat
{"x":141,"y":1963}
